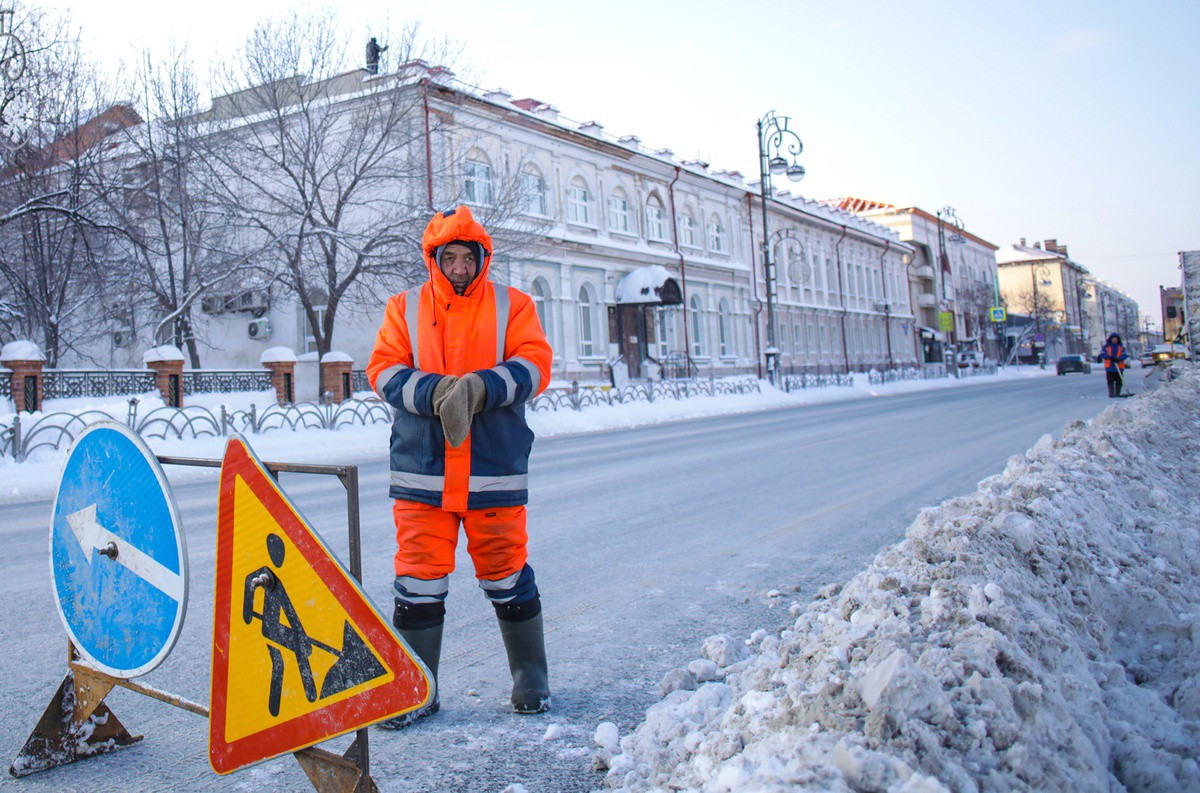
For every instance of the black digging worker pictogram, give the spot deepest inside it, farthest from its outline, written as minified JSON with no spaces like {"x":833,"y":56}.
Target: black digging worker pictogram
{"x":355,"y":663}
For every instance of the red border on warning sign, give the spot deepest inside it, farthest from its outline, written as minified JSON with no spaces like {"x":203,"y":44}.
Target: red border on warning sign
{"x":408,"y":690}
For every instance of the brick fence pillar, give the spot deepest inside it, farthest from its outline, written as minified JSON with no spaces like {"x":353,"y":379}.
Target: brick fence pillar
{"x":167,"y":364}
{"x":281,"y":362}
{"x":26,"y":362}
{"x":336,"y":377}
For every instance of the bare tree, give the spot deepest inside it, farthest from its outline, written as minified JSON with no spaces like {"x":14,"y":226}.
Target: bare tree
{"x":51,"y":237}
{"x":174,"y":243}
{"x":328,"y":174}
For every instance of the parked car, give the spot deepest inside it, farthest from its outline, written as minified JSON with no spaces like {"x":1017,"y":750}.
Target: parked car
{"x":1074,"y":363}
{"x":1146,"y":359}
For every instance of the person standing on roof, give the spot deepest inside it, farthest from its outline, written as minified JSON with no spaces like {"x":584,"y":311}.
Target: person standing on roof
{"x":374,"y":50}
{"x":1114,"y":356}
{"x":458,"y":357}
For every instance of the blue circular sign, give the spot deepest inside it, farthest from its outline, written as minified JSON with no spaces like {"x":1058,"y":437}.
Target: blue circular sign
{"x":118,"y":557}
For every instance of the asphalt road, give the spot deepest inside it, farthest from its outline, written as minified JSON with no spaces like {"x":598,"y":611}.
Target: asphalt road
{"x":645,"y":542}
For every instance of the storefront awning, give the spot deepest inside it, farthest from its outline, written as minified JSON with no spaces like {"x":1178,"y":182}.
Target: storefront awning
{"x":652,"y":284}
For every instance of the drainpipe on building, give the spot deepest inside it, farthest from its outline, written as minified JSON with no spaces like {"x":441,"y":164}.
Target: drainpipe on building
{"x":887,"y":307}
{"x":687,"y":345}
{"x":837,"y":251}
{"x":758,"y":357}
{"x":428,"y":142}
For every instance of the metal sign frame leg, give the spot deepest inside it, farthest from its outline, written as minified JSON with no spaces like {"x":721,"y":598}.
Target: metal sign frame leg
{"x":76,"y":724}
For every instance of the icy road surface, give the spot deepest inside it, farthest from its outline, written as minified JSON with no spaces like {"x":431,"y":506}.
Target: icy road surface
{"x":645,"y":542}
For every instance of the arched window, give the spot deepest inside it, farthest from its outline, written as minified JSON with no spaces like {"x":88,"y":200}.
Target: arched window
{"x":716,"y":234}
{"x":655,"y":227}
{"x":697,"y":326}
{"x":533,"y":192}
{"x":477,"y":179}
{"x":724,"y":328}
{"x":587,"y":321}
{"x":579,"y":202}
{"x":539,"y":290}
{"x":618,"y":211}
{"x":687,"y":228}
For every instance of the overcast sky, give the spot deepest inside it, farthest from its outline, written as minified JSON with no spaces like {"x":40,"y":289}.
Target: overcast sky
{"x":1077,"y":121}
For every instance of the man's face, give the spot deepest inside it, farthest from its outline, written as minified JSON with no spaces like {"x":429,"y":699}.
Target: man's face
{"x":459,"y":266}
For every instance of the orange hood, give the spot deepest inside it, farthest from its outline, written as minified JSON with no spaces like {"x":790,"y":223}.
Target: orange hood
{"x":454,"y":224}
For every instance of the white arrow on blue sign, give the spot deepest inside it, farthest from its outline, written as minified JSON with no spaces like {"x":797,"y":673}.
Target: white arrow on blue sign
{"x":118,"y":556}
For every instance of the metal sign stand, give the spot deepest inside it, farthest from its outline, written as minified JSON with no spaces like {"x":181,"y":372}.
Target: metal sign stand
{"x":77,"y":724}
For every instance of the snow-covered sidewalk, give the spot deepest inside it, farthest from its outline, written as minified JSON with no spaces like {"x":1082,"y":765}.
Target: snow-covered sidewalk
{"x":37,"y":477}
{"x":1042,"y":633}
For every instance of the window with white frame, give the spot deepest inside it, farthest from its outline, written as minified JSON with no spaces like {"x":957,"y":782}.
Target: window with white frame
{"x":618,"y":211}
{"x":716,"y":235}
{"x":656,"y":228}
{"x":697,"y":326}
{"x":533,"y":192}
{"x":687,"y":228}
{"x":477,"y":180}
{"x":587,"y":321}
{"x":539,"y":290}
{"x":724,"y":327}
{"x":578,"y":202}
{"x":307,"y":329}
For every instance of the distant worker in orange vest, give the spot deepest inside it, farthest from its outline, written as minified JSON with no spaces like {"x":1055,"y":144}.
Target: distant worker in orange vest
{"x":1114,"y":356}
{"x":458,"y":357}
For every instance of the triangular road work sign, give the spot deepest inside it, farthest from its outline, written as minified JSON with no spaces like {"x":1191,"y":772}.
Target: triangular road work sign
{"x":299,"y":653}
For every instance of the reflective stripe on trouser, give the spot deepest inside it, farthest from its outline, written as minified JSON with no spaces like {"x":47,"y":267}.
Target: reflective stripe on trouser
{"x":427,"y":537}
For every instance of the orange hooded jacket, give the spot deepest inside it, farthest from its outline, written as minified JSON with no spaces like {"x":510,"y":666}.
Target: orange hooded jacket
{"x":429,"y":332}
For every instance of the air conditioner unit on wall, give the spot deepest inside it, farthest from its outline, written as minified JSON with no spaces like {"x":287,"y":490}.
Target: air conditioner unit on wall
{"x":124,"y":337}
{"x":259,"y":329}
{"x":212,"y":304}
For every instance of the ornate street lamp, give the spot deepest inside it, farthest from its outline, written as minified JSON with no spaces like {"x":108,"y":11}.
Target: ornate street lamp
{"x":946,"y":215}
{"x":778,"y":151}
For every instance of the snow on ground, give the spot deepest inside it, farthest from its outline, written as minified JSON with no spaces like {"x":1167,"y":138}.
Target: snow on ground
{"x":37,"y":477}
{"x":1042,"y":633}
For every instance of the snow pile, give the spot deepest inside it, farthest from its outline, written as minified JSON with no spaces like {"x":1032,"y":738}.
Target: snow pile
{"x":1042,"y":633}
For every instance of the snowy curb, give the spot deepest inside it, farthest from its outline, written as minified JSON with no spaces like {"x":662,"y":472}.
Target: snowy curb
{"x":1042,"y":633}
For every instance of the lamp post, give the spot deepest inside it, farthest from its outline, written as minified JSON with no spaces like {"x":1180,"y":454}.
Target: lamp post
{"x":775,"y":141}
{"x":945,"y":215}
{"x":1037,"y":272}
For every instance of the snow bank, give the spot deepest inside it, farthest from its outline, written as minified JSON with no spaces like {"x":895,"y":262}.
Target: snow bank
{"x":1042,"y":633}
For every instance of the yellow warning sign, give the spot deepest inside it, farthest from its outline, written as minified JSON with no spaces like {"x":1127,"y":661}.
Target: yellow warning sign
{"x":299,"y":654}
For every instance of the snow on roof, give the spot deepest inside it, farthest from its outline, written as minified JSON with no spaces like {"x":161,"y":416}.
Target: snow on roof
{"x":21,"y":350}
{"x":166,"y":352}
{"x":277,"y":355}
{"x":642,"y":285}
{"x":1036,"y":634}
{"x":336,"y":356}
{"x":1012,"y":254}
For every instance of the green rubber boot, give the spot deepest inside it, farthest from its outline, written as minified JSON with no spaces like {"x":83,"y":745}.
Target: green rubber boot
{"x":526,"y":647}
{"x":427,"y":644}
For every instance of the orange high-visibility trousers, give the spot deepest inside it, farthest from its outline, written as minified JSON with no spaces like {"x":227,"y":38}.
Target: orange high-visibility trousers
{"x":427,"y":537}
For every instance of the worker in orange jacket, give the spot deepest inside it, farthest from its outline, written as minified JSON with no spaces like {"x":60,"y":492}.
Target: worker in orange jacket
{"x":458,"y":357}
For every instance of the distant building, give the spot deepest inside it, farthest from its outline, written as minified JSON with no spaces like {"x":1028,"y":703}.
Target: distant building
{"x":1042,"y":282}
{"x":951,"y":277}
{"x":1109,"y":310}
{"x":1171,"y":300}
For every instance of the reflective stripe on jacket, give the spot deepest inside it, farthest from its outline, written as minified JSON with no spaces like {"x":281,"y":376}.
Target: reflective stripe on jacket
{"x":1114,"y":357}
{"x":429,"y":332}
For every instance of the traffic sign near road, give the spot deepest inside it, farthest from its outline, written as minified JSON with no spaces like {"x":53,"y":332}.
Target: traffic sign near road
{"x":998,"y":313}
{"x":118,"y":556}
{"x":299,"y":653}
